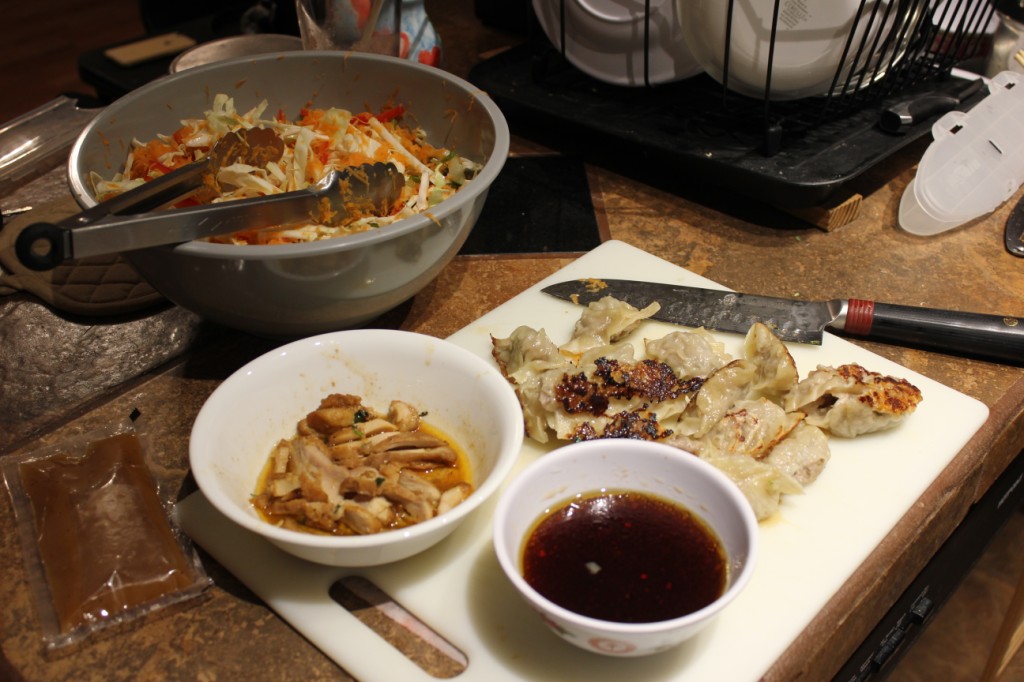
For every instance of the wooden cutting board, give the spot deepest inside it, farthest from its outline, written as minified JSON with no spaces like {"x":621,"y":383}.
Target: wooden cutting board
{"x":96,"y":286}
{"x":808,"y":550}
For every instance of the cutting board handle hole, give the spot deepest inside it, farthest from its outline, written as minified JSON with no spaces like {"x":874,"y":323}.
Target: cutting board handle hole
{"x":416,"y":640}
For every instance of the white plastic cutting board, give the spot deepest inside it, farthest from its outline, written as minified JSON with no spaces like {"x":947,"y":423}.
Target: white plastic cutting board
{"x":807,"y":552}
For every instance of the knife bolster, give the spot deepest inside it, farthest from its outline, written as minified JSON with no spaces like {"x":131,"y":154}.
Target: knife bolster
{"x":859,"y":317}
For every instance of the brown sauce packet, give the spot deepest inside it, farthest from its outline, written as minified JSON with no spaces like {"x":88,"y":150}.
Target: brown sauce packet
{"x":97,"y":539}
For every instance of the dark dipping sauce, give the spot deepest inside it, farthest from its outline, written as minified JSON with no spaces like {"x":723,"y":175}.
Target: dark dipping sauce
{"x":626,"y":557}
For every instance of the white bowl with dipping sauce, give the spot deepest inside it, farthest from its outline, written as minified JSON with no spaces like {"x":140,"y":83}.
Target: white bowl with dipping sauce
{"x":599,"y":469}
{"x":462,"y":396}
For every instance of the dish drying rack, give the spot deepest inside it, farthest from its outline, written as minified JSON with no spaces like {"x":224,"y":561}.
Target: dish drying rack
{"x":794,"y":154}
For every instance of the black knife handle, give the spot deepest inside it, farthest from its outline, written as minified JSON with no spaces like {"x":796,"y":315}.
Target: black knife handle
{"x":905,"y":114}
{"x":43,"y":246}
{"x":1013,"y":236}
{"x":919,"y":107}
{"x":972,"y":334}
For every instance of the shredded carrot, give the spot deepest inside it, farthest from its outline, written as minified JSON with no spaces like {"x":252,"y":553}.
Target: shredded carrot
{"x":383,"y":117}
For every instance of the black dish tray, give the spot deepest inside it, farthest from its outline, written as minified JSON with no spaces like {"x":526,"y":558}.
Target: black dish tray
{"x":691,"y":132}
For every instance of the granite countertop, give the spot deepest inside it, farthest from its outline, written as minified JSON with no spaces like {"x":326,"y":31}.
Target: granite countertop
{"x":62,"y":374}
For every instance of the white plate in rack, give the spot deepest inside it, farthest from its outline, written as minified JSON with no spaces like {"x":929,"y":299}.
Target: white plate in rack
{"x":808,"y":550}
{"x":605,"y":39}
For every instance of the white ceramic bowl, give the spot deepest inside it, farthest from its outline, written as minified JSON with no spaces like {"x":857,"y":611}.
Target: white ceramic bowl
{"x":810,"y":43}
{"x":292,"y":290}
{"x":604,"y":39}
{"x":261,"y":403}
{"x":642,"y":466}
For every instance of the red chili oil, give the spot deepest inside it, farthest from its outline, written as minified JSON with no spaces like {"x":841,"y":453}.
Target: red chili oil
{"x":626,"y":557}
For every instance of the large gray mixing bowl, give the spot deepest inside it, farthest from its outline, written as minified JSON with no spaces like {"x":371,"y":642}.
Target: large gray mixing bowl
{"x":302,"y":289}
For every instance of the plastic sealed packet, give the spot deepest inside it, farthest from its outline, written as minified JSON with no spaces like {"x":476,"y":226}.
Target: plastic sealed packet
{"x":98,"y":543}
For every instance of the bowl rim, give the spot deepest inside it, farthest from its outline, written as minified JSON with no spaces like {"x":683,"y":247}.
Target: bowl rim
{"x":283,"y":42}
{"x":509,"y":564}
{"x":206,"y":424}
{"x":199,"y":249}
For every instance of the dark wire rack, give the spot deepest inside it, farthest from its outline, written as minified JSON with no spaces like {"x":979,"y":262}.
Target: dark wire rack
{"x":791,"y":153}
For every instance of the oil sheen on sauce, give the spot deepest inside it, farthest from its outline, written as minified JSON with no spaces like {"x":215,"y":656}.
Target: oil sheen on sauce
{"x":625,"y":556}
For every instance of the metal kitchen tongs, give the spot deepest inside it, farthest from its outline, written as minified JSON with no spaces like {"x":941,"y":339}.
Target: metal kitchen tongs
{"x":107,"y":228}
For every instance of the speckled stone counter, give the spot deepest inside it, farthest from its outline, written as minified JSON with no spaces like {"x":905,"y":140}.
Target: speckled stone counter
{"x":164,"y":362}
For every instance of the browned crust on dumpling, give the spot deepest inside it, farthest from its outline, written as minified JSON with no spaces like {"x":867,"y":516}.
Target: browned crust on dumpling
{"x":884,"y":394}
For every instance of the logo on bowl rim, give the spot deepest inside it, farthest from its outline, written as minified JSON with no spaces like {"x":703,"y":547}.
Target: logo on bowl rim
{"x":614,"y":647}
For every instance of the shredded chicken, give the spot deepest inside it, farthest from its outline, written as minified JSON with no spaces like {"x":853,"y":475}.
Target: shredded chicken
{"x":350,"y":470}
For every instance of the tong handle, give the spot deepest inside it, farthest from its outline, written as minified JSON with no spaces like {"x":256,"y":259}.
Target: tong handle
{"x":43,"y":246}
{"x":146,"y":197}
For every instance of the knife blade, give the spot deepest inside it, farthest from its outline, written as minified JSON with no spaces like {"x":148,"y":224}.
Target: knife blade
{"x":974,"y":334}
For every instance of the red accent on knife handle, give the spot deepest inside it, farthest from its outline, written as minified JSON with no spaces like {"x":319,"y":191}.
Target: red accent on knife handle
{"x":859,"y":316}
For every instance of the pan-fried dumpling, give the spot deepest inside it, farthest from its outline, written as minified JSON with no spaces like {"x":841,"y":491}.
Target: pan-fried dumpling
{"x":540,"y":410}
{"x":750,"y":427}
{"x":567,"y":425}
{"x":623,"y":353}
{"x":545,"y":410}
{"x":628,"y":385}
{"x":639,"y":424}
{"x":751,"y":417}
{"x":803,"y":454}
{"x":689,"y":354}
{"x":849,"y":400}
{"x":762,"y":484}
{"x":605,"y":321}
{"x":525,"y":353}
{"x":776,"y":372}
{"x":532,"y":363}
{"x":720,"y":391}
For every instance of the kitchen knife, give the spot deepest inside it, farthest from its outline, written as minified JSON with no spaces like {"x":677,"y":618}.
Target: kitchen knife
{"x":973,"y":334}
{"x":1014,"y":235}
{"x":919,"y":106}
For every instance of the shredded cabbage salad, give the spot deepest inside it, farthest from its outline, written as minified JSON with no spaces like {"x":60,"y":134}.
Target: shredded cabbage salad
{"x":317,"y":142}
